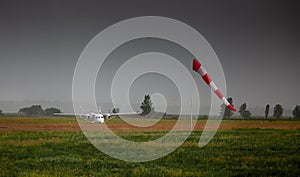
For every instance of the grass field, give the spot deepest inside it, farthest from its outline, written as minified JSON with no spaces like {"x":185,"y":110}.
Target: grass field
{"x":57,"y":147}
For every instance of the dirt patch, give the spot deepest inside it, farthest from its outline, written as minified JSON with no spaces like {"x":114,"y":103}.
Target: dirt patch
{"x":38,"y":124}
{"x":225,"y":125}
{"x":11,"y":124}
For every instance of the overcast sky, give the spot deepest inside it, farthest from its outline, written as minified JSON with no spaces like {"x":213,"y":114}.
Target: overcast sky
{"x":257,"y":43}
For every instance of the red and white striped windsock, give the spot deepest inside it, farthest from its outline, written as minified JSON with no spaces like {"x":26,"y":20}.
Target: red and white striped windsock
{"x":201,"y":70}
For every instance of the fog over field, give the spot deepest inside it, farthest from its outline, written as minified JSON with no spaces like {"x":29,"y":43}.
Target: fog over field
{"x":257,"y":43}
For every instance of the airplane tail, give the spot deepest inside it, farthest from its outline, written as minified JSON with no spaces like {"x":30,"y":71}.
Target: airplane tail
{"x":99,"y":110}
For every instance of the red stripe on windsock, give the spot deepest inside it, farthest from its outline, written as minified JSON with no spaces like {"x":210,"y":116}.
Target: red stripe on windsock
{"x":196,"y":65}
{"x":231,"y":107}
{"x":219,"y":94}
{"x":206,"y":78}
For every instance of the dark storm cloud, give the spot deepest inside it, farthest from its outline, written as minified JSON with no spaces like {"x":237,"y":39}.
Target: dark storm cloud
{"x":257,"y":43}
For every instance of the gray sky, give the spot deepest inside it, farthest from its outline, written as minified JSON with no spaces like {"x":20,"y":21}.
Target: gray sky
{"x":257,"y":43}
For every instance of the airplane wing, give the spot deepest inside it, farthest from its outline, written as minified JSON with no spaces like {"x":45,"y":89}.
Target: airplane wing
{"x":121,"y":113}
{"x":70,"y":114}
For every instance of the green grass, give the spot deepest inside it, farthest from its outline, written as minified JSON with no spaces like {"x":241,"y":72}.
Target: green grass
{"x":238,"y":152}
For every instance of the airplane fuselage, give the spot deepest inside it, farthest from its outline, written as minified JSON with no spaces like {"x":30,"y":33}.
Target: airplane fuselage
{"x":96,"y":118}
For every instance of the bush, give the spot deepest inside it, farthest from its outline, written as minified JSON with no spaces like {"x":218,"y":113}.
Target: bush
{"x":51,"y":111}
{"x":35,"y":110}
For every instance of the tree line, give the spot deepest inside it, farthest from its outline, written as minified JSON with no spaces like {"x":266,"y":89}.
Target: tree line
{"x":37,"y":110}
{"x":246,"y":114}
{"x":146,"y":106}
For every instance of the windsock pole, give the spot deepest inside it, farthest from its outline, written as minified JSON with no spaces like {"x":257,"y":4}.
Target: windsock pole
{"x":202,"y":71}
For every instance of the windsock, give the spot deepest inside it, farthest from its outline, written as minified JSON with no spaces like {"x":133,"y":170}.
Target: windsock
{"x":201,"y":70}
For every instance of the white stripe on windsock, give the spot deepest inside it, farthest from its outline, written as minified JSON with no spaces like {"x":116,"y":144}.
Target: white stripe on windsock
{"x":225,"y":101}
{"x":213,"y":86}
{"x":202,"y":71}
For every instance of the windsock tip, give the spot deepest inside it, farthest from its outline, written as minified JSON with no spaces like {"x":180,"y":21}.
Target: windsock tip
{"x":196,"y":64}
{"x":231,"y":108}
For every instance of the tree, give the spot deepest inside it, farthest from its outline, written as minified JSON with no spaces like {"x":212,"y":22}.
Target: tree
{"x":267,"y":110}
{"x":146,"y":105}
{"x":35,"y":110}
{"x":116,"y":110}
{"x":296,"y":112}
{"x":51,"y":111}
{"x":277,"y":111}
{"x":244,"y":113}
{"x":247,"y":114}
{"x":242,"y":109}
{"x":1,"y":112}
{"x":227,"y":112}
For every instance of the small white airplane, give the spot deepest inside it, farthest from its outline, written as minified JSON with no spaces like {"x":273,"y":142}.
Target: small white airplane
{"x":95,"y":117}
